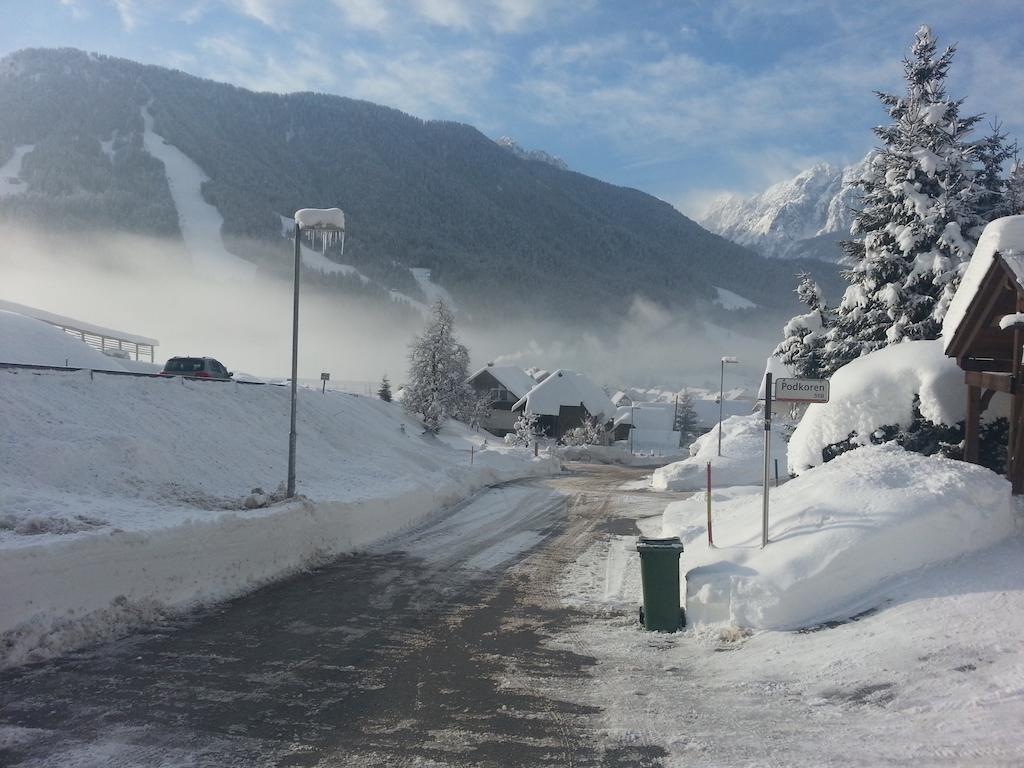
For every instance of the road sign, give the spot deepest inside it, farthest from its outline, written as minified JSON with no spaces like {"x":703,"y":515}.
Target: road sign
{"x":325,"y":377}
{"x":801,"y":390}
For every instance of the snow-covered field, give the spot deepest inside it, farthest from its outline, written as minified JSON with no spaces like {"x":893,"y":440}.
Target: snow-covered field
{"x":123,"y":497}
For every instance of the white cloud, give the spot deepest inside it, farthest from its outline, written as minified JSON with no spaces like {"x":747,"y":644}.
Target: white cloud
{"x":129,"y":13}
{"x":76,"y":9}
{"x":438,"y":86}
{"x":266,"y":12}
{"x":365,"y":14}
{"x":194,"y":13}
{"x":304,"y":67}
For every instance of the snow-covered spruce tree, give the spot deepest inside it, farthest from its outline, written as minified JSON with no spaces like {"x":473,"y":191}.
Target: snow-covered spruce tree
{"x":384,"y":392}
{"x":803,"y":345}
{"x":992,"y":152}
{"x":686,"y":422}
{"x":438,"y":368}
{"x":918,"y":222}
{"x":1014,"y":196}
{"x":526,"y":430}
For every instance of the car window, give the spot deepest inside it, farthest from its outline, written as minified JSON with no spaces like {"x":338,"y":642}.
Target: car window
{"x":184,"y":365}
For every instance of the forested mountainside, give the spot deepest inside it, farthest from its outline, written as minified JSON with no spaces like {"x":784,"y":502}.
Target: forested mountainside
{"x":493,"y":227}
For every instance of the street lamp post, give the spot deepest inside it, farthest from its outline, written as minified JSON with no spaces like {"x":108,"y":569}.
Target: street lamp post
{"x":721,"y":397}
{"x":328,"y":225}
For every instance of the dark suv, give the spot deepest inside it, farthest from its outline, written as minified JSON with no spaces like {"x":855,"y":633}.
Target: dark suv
{"x":196,"y":367}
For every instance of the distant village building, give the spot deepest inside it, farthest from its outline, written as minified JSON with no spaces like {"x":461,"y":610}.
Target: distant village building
{"x":565,"y":400}
{"x":647,"y":427}
{"x":620,"y":399}
{"x":502,"y":386}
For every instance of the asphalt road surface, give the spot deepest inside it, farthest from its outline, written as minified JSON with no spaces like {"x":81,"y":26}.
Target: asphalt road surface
{"x":428,"y":650}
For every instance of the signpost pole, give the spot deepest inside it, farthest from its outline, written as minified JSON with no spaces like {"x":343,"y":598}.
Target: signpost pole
{"x":767,"y":455}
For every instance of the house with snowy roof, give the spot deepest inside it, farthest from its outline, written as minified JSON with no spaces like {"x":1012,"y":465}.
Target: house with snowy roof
{"x":620,"y":399}
{"x":647,"y":427}
{"x":501,"y":386}
{"x":984,"y":330}
{"x":566,"y":400}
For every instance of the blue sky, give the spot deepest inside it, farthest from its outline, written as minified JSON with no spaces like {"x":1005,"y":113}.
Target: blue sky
{"x":681,"y":99}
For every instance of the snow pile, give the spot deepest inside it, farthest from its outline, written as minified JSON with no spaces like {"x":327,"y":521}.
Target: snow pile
{"x":1004,"y":236}
{"x":741,"y":462}
{"x":878,"y":389}
{"x":118,"y":492}
{"x":27,"y":341}
{"x":836,"y":534}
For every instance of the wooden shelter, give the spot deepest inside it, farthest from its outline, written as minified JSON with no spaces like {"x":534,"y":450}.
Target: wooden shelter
{"x":987,"y":344}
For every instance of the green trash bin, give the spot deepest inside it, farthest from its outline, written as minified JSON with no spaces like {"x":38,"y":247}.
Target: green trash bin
{"x":659,"y":570}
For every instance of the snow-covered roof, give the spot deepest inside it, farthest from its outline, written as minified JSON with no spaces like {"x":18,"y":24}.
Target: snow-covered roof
{"x":320,"y":218}
{"x":1004,"y":236}
{"x":68,"y":322}
{"x":619,"y":397}
{"x":565,"y":387}
{"x":514,"y":379}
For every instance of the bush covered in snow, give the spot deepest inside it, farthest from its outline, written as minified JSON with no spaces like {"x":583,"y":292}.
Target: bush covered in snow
{"x":588,"y":433}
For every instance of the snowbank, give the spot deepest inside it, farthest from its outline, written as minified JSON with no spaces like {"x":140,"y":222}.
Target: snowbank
{"x":741,"y":462}
{"x":27,"y":341}
{"x":122,"y":497}
{"x":878,"y":389}
{"x":837,"y":533}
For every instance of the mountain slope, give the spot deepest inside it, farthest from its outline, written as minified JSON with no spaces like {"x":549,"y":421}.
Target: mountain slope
{"x":803,"y":217}
{"x":490,"y":226}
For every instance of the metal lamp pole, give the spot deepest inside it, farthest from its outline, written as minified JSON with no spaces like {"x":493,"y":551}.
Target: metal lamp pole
{"x":721,"y":397}
{"x":295,"y":362}
{"x":331,"y":224}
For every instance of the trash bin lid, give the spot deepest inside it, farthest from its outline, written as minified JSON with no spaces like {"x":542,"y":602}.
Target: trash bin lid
{"x":670,"y":544}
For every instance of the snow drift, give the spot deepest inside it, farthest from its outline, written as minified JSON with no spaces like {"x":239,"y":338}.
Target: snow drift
{"x":837,"y":534}
{"x":741,"y":462}
{"x":27,"y":341}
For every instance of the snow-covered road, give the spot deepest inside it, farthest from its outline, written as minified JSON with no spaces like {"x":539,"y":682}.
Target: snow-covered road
{"x":504,"y":633}
{"x":398,"y":655}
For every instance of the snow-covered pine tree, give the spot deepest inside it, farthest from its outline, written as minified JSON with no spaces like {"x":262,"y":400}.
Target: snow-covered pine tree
{"x":525,"y":430}
{"x":918,"y":222}
{"x":384,"y":392}
{"x":686,"y":422}
{"x":438,"y":368}
{"x":992,"y":152}
{"x":1015,"y":187}
{"x":802,"y":348}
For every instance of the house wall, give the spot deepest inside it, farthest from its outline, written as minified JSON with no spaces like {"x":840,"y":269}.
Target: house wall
{"x":500,"y":421}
